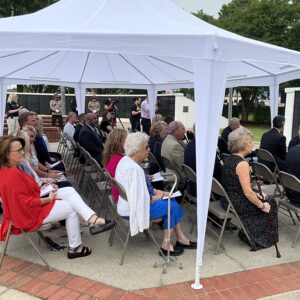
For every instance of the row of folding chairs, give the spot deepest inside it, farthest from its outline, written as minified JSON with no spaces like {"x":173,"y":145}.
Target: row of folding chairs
{"x":276,"y":183}
{"x":272,"y":183}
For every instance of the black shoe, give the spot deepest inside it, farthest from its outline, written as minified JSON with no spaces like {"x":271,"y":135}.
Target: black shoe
{"x":175,"y":252}
{"x":54,"y":246}
{"x":96,"y":229}
{"x":192,"y":245}
{"x":231,"y":226}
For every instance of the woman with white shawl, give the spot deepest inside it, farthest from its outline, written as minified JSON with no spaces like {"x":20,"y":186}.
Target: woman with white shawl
{"x":144,"y":202}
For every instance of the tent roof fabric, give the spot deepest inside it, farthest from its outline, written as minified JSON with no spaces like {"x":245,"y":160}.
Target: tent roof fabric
{"x":134,"y":42}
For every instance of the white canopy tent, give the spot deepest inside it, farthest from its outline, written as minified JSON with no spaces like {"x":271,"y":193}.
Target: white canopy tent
{"x":147,"y":44}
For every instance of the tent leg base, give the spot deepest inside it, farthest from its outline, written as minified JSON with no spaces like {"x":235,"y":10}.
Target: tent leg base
{"x":197,"y":286}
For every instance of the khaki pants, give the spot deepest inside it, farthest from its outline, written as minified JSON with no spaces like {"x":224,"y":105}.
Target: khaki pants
{"x":12,"y":124}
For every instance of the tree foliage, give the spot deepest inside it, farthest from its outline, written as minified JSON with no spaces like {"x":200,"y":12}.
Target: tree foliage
{"x":272,"y":21}
{"x":21,"y":7}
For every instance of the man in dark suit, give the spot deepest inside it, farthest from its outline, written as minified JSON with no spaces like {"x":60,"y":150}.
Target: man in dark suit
{"x":78,"y":127}
{"x":90,"y":139}
{"x":234,"y":123}
{"x":275,"y":142}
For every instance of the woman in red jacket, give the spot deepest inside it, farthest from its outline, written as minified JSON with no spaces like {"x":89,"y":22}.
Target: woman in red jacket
{"x":23,"y":205}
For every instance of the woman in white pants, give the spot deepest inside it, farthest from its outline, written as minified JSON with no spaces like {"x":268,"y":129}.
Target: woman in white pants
{"x":23,"y":205}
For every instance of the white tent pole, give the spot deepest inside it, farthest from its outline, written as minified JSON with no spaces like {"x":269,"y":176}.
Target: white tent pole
{"x":152,"y":99}
{"x":230,"y":104}
{"x":274,"y":91}
{"x":3,"y":92}
{"x":208,"y":107}
{"x":80,"y":91}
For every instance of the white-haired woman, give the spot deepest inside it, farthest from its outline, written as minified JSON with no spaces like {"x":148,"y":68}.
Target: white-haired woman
{"x":145,"y":203}
{"x":250,"y":206}
{"x":12,"y":109}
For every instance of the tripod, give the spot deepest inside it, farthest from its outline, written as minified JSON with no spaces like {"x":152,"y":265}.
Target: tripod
{"x":114,"y":110}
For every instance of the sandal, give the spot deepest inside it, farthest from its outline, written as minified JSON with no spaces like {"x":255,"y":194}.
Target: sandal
{"x":97,"y":228}
{"x":85,"y":251}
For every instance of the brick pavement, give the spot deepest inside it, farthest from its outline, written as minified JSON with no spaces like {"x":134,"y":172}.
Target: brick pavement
{"x":35,"y":280}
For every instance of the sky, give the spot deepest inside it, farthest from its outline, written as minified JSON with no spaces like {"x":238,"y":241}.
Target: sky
{"x":210,"y":7}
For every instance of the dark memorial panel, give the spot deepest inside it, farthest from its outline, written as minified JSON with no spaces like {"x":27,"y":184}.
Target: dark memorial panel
{"x":296,"y":115}
{"x":39,"y":103}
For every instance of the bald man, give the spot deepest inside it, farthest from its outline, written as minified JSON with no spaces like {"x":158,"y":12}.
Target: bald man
{"x":90,"y":139}
{"x":173,"y":149}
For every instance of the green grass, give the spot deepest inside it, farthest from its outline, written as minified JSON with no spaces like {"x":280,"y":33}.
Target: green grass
{"x":257,"y":130}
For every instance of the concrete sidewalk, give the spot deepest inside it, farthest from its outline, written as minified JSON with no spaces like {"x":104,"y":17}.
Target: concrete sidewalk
{"x":235,"y":273}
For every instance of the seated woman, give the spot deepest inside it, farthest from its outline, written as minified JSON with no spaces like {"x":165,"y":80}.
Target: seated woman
{"x":23,"y":205}
{"x":112,"y":153}
{"x":158,"y":134}
{"x":143,"y":204}
{"x":105,"y":124}
{"x":38,"y":167}
{"x":250,"y":206}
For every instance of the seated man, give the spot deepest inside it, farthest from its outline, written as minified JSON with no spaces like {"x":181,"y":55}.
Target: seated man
{"x":44,"y":156}
{"x":190,"y":160}
{"x":173,"y":149}
{"x":90,"y":139}
{"x":275,"y":142}
{"x":78,"y":127}
{"x":69,"y":128}
{"x":234,"y":123}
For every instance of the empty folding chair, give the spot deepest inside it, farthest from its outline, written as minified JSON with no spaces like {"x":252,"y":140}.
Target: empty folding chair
{"x":268,"y":159}
{"x":192,"y":200}
{"x":217,"y":210}
{"x":268,"y":181}
{"x":291,"y":182}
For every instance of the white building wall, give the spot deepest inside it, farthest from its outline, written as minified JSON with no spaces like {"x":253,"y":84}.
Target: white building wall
{"x":289,"y":112}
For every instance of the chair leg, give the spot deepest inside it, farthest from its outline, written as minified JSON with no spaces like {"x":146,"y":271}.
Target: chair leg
{"x":6,"y":243}
{"x":125,"y":247}
{"x":220,"y":238}
{"x":296,"y":238}
{"x":37,"y":250}
{"x":155,"y":242}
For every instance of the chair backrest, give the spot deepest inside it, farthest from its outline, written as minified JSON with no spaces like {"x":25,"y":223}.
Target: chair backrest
{"x":262,"y":172}
{"x":100,"y":170}
{"x":289,"y":181}
{"x":189,"y":173}
{"x":113,"y":182}
{"x":218,"y":189}
{"x":222,"y":146}
{"x":267,"y":156}
{"x":152,"y":160}
{"x":168,"y":164}
{"x":189,"y":135}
